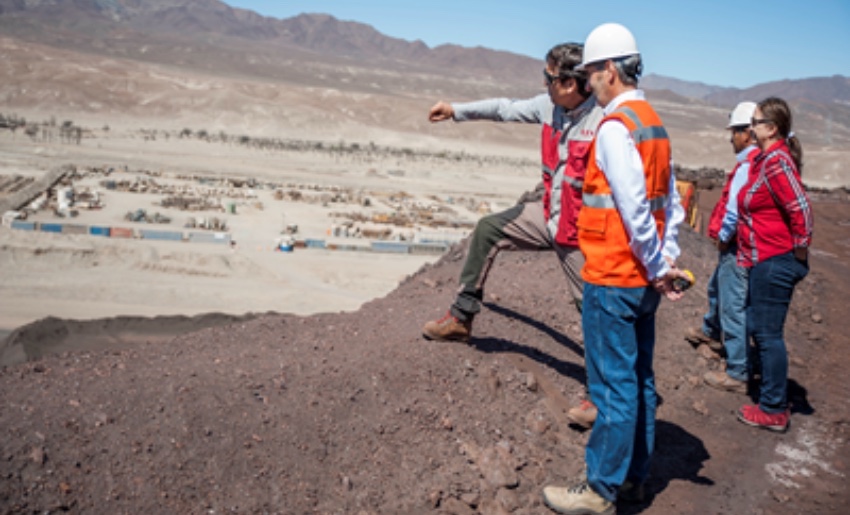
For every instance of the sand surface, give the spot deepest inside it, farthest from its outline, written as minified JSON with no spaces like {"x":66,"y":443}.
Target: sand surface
{"x":84,"y":277}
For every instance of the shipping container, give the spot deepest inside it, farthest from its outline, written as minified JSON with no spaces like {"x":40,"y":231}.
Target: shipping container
{"x":99,"y":231}
{"x":50,"y":227}
{"x":354,"y":248}
{"x":394,"y":247}
{"x":209,"y":237}
{"x":314,"y":244}
{"x":24,"y":226}
{"x":155,"y":234}
{"x":75,"y":229}
{"x":121,"y":232}
{"x":428,"y":248}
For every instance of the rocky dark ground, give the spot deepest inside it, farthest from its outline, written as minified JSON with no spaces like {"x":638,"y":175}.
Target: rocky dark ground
{"x":356,"y":413}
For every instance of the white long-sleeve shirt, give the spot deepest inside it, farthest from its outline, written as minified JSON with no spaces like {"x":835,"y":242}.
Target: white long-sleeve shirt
{"x":618,"y":157}
{"x":729,"y":226}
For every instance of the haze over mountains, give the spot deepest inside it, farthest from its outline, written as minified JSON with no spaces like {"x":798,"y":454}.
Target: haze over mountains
{"x":201,"y":63}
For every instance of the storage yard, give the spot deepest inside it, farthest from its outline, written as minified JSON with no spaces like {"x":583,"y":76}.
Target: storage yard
{"x":117,"y":202}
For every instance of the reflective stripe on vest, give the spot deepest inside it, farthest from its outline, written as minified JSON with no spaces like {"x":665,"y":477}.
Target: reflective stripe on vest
{"x":641,"y":133}
{"x":607,"y":201}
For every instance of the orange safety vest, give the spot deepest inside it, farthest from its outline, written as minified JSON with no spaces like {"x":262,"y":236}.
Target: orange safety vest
{"x":603,"y":238}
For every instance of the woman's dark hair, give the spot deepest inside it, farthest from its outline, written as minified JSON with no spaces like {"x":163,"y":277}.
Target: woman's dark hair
{"x":565,"y":57}
{"x":777,"y":111}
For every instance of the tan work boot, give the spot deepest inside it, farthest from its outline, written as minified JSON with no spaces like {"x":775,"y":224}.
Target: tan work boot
{"x":583,"y":415}
{"x":708,"y":353}
{"x":721,"y":380}
{"x":696,"y":337}
{"x":448,"y":328}
{"x":577,"y":500}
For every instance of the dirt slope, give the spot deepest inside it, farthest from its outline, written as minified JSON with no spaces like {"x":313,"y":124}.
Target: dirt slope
{"x":355,"y":413}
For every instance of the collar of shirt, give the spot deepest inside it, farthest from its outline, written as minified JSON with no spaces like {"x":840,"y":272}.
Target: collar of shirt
{"x":742,"y":155}
{"x":583,"y":108}
{"x":632,"y":94}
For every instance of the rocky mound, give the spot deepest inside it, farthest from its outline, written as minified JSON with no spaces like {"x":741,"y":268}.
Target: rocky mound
{"x":356,"y":413}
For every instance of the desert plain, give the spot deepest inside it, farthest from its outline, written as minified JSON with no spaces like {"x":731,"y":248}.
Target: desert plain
{"x":84,"y":277}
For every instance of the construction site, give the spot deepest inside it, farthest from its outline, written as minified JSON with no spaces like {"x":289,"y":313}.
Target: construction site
{"x":118,"y":202}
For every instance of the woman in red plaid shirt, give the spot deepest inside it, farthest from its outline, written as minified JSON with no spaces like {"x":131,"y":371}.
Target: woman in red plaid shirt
{"x":774,"y":233}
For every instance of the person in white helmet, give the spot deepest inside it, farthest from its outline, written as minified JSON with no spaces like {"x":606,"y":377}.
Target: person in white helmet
{"x":726,"y":319}
{"x":627,"y":232}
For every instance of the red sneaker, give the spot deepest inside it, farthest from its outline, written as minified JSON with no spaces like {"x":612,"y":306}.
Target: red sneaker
{"x":754,"y":416}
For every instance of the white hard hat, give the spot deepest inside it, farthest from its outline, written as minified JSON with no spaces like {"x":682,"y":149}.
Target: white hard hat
{"x":741,"y":115}
{"x":608,"y":41}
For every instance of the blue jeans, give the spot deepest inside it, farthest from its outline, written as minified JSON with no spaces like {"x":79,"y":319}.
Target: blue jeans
{"x":771,"y":286}
{"x":727,"y":316}
{"x":619,"y":340}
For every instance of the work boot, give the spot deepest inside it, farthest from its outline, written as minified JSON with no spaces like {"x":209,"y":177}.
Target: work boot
{"x":722,"y":381}
{"x":448,"y":328}
{"x":631,"y":492}
{"x":752,"y":415}
{"x":577,"y":500}
{"x":583,"y":415}
{"x":696,"y":337}
{"x":708,"y":353}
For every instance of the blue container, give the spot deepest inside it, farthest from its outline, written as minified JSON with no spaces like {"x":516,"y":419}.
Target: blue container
{"x":23,"y":226}
{"x":50,"y":228}
{"x":99,"y":231}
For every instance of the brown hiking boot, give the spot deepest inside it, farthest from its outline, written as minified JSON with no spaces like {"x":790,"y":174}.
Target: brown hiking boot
{"x":448,"y":328}
{"x":583,"y":415}
{"x":721,"y":380}
{"x":708,"y":353}
{"x":696,"y":337}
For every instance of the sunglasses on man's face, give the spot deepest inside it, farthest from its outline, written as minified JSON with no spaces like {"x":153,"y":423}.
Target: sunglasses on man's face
{"x":757,"y":121}
{"x":552,"y":79}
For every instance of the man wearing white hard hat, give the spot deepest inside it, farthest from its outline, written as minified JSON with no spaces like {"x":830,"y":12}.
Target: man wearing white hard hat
{"x":627,"y":233}
{"x":726,"y":319}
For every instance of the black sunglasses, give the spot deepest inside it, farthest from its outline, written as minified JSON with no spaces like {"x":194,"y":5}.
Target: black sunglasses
{"x":550,"y":79}
{"x":756,"y":121}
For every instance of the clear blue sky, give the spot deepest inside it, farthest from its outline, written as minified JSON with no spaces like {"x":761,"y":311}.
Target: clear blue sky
{"x":721,"y":42}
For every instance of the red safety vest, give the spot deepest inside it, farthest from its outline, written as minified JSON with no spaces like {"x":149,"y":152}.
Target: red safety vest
{"x":563,"y":179}
{"x":719,"y":211}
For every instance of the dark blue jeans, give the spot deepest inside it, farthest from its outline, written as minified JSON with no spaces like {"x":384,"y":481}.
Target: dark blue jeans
{"x":771,"y":286}
{"x":619,"y":342}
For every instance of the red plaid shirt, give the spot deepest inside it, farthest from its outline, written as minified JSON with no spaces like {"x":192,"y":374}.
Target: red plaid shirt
{"x":774,"y":213}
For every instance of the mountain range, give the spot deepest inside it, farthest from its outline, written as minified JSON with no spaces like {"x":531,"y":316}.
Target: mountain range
{"x":202,"y":61}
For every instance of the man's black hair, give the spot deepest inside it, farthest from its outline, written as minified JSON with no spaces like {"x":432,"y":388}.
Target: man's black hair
{"x":565,"y":57}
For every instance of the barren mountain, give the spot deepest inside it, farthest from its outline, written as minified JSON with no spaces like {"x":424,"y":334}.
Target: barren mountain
{"x":205,"y":65}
